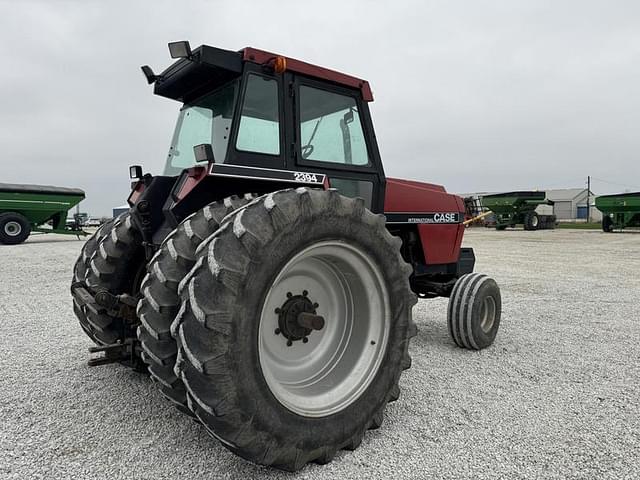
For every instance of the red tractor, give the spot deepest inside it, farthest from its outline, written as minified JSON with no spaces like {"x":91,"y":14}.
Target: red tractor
{"x":266,"y":279}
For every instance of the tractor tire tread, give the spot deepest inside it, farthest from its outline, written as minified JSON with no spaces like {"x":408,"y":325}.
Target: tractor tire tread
{"x":80,"y":270}
{"x":459,"y":312}
{"x":207,"y":320}
{"x":160,"y":302}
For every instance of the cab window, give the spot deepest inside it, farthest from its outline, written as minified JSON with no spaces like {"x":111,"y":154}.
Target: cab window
{"x":330,"y":128}
{"x":206,"y":120}
{"x":259,"y":130}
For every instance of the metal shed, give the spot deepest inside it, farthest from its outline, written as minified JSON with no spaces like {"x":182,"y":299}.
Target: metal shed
{"x":570,"y":204}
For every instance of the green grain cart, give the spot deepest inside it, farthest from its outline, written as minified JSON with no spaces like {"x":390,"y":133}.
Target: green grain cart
{"x":36,"y":208}
{"x":512,"y":208}
{"x":619,"y":211}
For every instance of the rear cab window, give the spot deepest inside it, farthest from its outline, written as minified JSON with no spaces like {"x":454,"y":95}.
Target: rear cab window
{"x":330,"y":128}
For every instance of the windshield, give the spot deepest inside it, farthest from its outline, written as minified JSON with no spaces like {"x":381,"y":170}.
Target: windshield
{"x":207,"y":120}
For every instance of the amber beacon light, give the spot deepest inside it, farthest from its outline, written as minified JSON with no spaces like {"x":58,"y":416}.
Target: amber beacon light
{"x":279,"y":64}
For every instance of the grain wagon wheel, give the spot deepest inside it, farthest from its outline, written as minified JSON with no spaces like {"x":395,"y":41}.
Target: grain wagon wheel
{"x":14,"y":228}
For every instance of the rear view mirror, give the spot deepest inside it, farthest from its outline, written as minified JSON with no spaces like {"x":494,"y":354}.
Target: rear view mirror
{"x":348,"y":117}
{"x":204,"y":153}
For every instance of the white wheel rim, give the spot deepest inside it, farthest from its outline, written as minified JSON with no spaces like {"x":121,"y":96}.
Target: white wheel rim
{"x":12,"y":228}
{"x":338,"y":363}
{"x":487,"y":314}
{"x":534,"y":221}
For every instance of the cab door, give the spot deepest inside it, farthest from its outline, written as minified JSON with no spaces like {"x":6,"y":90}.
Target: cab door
{"x":332,"y":134}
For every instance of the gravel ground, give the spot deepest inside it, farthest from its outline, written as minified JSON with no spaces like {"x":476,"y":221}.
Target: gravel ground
{"x":556,"y":396}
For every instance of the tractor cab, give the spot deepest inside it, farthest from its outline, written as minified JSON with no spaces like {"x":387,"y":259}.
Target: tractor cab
{"x":263,"y":111}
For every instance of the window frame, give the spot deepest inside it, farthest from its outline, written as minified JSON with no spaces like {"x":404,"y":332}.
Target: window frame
{"x":324,"y":164}
{"x":256,"y":159}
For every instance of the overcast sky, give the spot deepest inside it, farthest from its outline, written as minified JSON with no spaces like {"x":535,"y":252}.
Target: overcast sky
{"x":475,"y":95}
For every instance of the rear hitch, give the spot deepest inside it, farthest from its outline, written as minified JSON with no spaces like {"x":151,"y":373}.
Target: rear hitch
{"x":123,"y":305}
{"x":114,"y":353}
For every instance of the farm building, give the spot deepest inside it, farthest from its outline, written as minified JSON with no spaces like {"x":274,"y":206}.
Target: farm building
{"x":570,"y":204}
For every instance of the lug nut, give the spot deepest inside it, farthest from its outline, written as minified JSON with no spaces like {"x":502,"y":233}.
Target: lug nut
{"x":305,"y":293}
{"x":277,"y":331}
{"x":289,"y":294}
{"x":305,"y":339}
{"x":278,"y":311}
{"x":289,"y":343}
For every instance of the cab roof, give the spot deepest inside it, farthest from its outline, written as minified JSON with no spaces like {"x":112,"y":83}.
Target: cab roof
{"x":189,"y":78}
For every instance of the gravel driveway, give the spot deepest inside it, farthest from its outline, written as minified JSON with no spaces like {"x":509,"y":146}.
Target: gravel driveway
{"x":556,"y":396}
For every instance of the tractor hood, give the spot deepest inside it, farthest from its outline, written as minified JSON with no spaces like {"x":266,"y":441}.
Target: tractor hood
{"x":419,"y":197}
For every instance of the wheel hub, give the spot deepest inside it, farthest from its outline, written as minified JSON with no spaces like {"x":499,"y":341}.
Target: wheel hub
{"x":336,"y":363}
{"x":297,"y":318}
{"x":12,"y":229}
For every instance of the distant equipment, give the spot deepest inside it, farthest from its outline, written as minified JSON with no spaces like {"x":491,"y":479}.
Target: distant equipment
{"x":512,"y":208}
{"x":474,"y":212}
{"x":27,"y":209}
{"x":619,"y":211}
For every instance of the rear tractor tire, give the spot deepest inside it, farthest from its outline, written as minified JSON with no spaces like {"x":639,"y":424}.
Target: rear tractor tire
{"x":294,"y":327}
{"x":116,"y":266}
{"x":475,"y":308}
{"x":80,"y":270}
{"x":160,"y":301}
{"x":14,"y":228}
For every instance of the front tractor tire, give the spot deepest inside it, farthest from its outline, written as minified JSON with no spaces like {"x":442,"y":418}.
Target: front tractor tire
{"x":474,"y":312}
{"x":294,"y":327}
{"x":160,"y":300}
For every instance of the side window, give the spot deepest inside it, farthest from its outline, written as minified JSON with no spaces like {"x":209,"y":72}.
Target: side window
{"x":354,"y":188}
{"x":259,"y":130}
{"x":330,"y":128}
